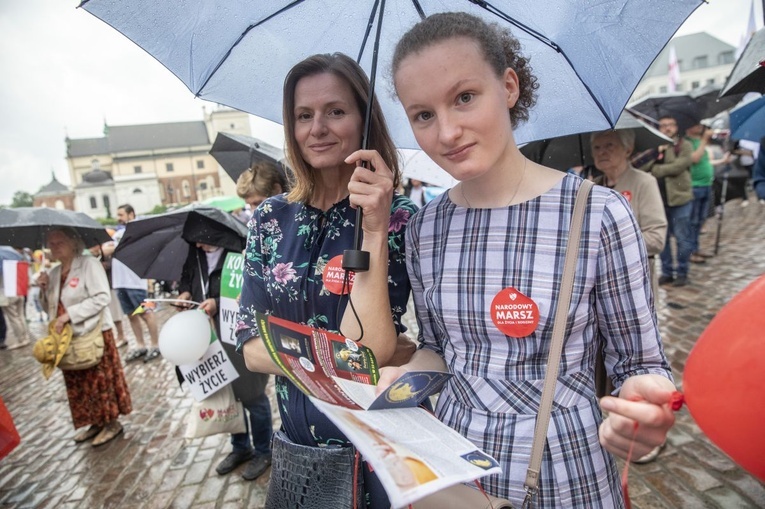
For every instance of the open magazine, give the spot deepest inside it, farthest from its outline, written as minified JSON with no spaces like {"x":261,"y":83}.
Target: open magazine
{"x":413,"y":453}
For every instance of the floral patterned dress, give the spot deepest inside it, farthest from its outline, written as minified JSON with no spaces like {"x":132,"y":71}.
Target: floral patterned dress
{"x":288,"y":246}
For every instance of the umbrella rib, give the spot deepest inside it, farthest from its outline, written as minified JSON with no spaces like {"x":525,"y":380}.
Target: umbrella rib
{"x":418,"y":8}
{"x":506,"y":17}
{"x":254,"y":25}
{"x":370,"y":22}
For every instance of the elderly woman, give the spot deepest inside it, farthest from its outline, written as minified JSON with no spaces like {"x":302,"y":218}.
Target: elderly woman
{"x":77,"y":292}
{"x":611,"y":151}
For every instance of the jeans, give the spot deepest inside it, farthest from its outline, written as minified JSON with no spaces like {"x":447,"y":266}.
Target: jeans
{"x":679,"y":226}
{"x":260,"y":428}
{"x":700,"y":206}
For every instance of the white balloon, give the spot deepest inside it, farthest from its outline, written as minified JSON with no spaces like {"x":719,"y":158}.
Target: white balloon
{"x":185,"y":337}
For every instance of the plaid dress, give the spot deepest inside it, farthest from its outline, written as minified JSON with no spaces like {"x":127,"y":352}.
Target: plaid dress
{"x":459,"y":259}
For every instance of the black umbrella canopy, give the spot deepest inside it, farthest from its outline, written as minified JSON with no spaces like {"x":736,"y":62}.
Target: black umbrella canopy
{"x":28,"y":226}
{"x":748,"y":75}
{"x":155,"y":247}
{"x":687,"y":108}
{"x":238,"y":152}
{"x":566,"y":151}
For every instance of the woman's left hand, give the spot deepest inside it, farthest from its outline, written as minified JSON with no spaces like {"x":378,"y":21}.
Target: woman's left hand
{"x":644,"y":400}
{"x":60,"y":322}
{"x":371,"y":190}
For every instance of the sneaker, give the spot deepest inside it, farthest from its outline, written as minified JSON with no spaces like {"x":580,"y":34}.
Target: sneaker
{"x":233,"y":460}
{"x":256,"y":467}
{"x":135,"y":354}
{"x":665,"y":280}
{"x":680,"y":281}
{"x":703,"y":254}
{"x":152,"y":354}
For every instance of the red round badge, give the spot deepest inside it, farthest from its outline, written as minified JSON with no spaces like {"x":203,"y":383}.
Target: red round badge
{"x":514,"y":314}
{"x":74,"y":282}
{"x":627,"y":195}
{"x":334,"y":274}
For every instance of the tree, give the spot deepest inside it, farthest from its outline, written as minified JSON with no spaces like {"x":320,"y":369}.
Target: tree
{"x":22,"y":199}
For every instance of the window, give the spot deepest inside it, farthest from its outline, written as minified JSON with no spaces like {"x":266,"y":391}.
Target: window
{"x":695,"y":85}
{"x":679,"y":87}
{"x":662,"y":90}
{"x":726,"y":57}
{"x":711,"y":81}
{"x":200,"y":164}
{"x":95,"y":164}
{"x":137,"y":169}
{"x":105,"y":199}
{"x":700,"y":62}
{"x":233,"y":126}
{"x":203,"y":186}
{"x":93,"y":203}
{"x":137,"y":191}
{"x":169,"y":167}
{"x":186,"y":189}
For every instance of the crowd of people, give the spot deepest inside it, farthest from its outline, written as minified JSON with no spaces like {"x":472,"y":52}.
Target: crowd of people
{"x":465,"y":87}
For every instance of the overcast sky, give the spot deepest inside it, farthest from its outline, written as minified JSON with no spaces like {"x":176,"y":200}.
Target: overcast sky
{"x":64,"y":72}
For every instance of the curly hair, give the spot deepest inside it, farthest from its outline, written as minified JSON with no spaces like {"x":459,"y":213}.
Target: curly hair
{"x":500,"y":49}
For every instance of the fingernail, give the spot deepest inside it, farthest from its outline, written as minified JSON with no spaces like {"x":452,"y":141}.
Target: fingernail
{"x":607,"y":403}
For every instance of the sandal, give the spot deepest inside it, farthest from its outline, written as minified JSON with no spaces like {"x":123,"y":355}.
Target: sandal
{"x":86,"y":434}
{"x":110,"y":431}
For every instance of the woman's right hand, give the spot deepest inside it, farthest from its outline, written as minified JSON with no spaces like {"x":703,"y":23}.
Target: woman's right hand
{"x":42,"y":280}
{"x":184,"y":296}
{"x":372,"y":190}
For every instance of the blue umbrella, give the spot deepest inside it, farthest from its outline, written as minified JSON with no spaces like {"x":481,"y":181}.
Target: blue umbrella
{"x":588,"y":56}
{"x":747,"y":122}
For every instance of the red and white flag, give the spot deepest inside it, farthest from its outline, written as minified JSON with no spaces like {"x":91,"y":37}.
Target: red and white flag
{"x":674,"y":70}
{"x":15,"y":278}
{"x":751,"y":28}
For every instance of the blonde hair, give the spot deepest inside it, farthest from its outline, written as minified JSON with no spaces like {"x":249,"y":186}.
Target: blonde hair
{"x":262,"y":178}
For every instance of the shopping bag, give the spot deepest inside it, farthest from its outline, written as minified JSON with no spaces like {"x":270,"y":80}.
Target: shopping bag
{"x":220,"y":413}
{"x":9,"y":437}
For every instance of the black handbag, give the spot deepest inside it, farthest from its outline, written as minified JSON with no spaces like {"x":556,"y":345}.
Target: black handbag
{"x":305,"y":477}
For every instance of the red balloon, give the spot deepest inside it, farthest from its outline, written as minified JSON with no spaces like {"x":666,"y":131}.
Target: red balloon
{"x":724,"y":379}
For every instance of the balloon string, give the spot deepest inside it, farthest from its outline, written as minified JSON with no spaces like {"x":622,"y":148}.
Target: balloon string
{"x":676,"y":401}
{"x":625,"y":472}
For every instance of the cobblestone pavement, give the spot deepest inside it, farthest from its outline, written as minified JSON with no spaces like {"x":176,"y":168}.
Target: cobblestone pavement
{"x":151,"y":465}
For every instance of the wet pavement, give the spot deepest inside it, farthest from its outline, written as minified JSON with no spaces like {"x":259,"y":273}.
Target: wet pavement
{"x":151,"y":465}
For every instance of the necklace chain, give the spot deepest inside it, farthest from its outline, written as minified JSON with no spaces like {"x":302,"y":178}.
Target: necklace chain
{"x":523,"y":174}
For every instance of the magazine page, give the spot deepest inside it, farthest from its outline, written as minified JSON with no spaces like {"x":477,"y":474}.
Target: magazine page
{"x":408,"y":391}
{"x":314,"y":358}
{"x":411,"y":451}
